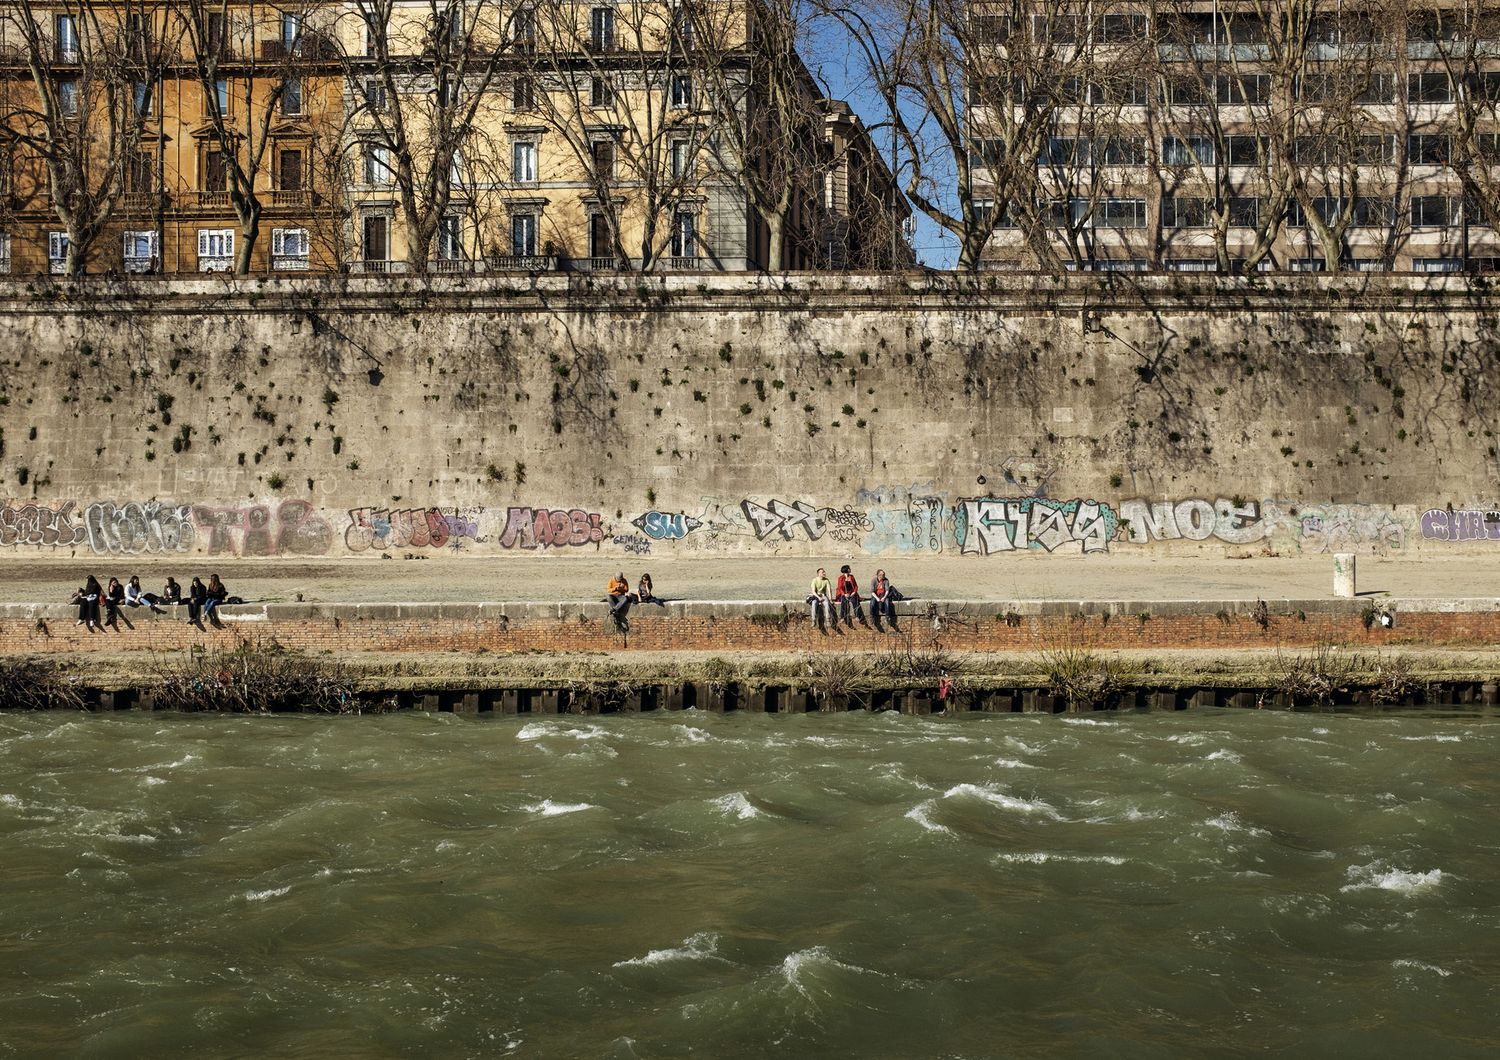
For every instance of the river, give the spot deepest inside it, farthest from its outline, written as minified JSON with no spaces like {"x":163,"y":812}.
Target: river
{"x":1198,"y":884}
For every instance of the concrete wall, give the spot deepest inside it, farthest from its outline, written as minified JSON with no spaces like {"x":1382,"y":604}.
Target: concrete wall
{"x":826,"y":415}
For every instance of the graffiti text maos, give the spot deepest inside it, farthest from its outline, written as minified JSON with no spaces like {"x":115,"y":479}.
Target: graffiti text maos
{"x":530,"y":528}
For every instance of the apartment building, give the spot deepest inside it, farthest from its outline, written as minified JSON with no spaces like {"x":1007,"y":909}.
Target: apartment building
{"x":450,"y":136}
{"x":1238,"y":135}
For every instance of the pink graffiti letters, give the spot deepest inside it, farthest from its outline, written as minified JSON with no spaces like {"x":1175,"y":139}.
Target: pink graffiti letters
{"x":530,"y":528}
{"x":381,"y":528}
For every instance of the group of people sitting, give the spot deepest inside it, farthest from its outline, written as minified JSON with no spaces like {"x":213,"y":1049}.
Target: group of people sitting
{"x":845,"y":593}
{"x":99,"y":606}
{"x":620,"y":596}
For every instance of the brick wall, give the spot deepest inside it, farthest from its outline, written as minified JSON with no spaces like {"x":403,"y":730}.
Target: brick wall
{"x":759,"y":626}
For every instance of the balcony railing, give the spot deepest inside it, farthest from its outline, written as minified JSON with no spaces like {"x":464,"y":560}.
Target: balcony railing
{"x":216,"y":263}
{"x":291,"y":197}
{"x":66,"y":55}
{"x":143,"y":200}
{"x":609,"y":264}
{"x":5,"y":263}
{"x":289,"y":263}
{"x":375,"y":268}
{"x":213,"y":199}
{"x":140,"y":264}
{"x":452,"y":266}
{"x":677,"y":263}
{"x":524,"y":263}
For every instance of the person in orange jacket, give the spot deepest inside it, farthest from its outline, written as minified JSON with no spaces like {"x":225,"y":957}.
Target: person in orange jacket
{"x":619,"y":596}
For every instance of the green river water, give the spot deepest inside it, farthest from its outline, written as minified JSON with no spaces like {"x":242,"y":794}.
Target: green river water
{"x":1194,"y":884}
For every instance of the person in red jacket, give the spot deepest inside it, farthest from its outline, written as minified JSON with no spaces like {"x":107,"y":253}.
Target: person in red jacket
{"x":846,"y":594}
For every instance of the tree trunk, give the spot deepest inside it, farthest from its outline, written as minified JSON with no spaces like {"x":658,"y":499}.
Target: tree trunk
{"x":776,"y":243}
{"x":249,"y":236}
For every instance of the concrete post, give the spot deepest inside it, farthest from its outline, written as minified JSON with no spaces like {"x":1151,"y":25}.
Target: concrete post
{"x":1343,"y":574}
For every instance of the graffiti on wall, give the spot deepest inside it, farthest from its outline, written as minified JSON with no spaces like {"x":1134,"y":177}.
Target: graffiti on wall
{"x":138,"y":528}
{"x":904,"y":519}
{"x":1336,"y":527}
{"x":987,"y":525}
{"x":1439,"y":524}
{"x":42,"y":526}
{"x":634,"y":544}
{"x":382,"y":528}
{"x":289,"y":528}
{"x":666,"y":526}
{"x":1235,"y":521}
{"x":779,"y":517}
{"x":530,"y":528}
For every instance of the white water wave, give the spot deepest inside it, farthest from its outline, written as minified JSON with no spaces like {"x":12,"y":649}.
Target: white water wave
{"x":267,"y":895}
{"x":1012,"y":763}
{"x":1130,"y":813}
{"x":1086,"y":721}
{"x":1435,"y":738}
{"x":1022,"y":746}
{"x":737,"y":804}
{"x":1230,"y":822}
{"x":1379,"y":875}
{"x":988,"y":794}
{"x":1223,"y":754}
{"x":694,"y":735}
{"x":919,"y":813}
{"x":702,"y":946}
{"x":1421,"y":966}
{"x":535,"y":730}
{"x":548,"y":808}
{"x":1041,"y":857}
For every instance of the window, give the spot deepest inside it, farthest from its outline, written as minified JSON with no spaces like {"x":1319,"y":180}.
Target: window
{"x":448,"y":92}
{"x":684,"y":235}
{"x":376,"y":245}
{"x":1428,"y":149}
{"x":523,"y":235}
{"x":1187,"y":151}
{"x":1428,"y":88}
{"x":66,"y":28}
{"x":1121,"y":213}
{"x":602,"y":30}
{"x":375,"y":94}
{"x":1062,"y":151}
{"x":67,"y":98}
{"x":678,"y":156}
{"x":1369,"y":265}
{"x":141,"y":96}
{"x":450,"y":239}
{"x":1244,"y":211}
{"x":140,"y":251}
{"x":214,"y":39}
{"x":989,"y":28}
{"x":1369,"y":150}
{"x":291,"y":96}
{"x":1192,"y":264}
{"x":603,"y":156}
{"x":215,"y":172}
{"x":291,"y":33}
{"x":523,"y":31}
{"x":1123,"y":151}
{"x":601,"y":243}
{"x":523,"y":162}
{"x":1187,"y":92}
{"x":1373,"y":213}
{"x":1185,"y":211}
{"x":289,"y":248}
{"x":1436,"y":265}
{"x":523,"y":94}
{"x":215,"y":249}
{"x":682,"y":24}
{"x":682,"y":90}
{"x":1250,"y":88}
{"x":1305,"y":265}
{"x":377,"y":165}
{"x":601,"y":92}
{"x":289,"y":169}
{"x":1433,"y":211}
{"x":1244,"y":150}
{"x":220,"y":98}
{"x":1380,"y":88}
{"x":4,"y":252}
{"x":57,"y":252}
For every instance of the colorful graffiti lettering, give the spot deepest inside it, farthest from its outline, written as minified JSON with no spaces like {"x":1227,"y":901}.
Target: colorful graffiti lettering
{"x":295,"y":528}
{"x":782,"y":518}
{"x":1439,"y":524}
{"x":136,"y":528}
{"x":34,"y":524}
{"x":381,"y":528}
{"x":1235,"y":521}
{"x":635,"y":544}
{"x":987,"y":525}
{"x":543,"y":528}
{"x":664,"y":526}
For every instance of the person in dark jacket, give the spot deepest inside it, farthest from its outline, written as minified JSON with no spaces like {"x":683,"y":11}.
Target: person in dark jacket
{"x":217,"y":594}
{"x":171,"y":593}
{"x":197,"y":597}
{"x":846,"y":593}
{"x":114,"y":597}
{"x":93,"y":595}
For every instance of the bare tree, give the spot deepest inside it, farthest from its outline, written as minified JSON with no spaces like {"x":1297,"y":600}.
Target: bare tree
{"x":95,"y":70}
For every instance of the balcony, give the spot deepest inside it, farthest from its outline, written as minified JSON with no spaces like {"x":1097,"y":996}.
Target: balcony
{"x":143,"y":201}
{"x":524,"y":263}
{"x":375,"y":268}
{"x":216,"y":263}
{"x":454,"y":266}
{"x":609,"y":264}
{"x":289,"y":262}
{"x":213,"y":200}
{"x":677,"y":263}
{"x":292,"y":197}
{"x":66,"y":56}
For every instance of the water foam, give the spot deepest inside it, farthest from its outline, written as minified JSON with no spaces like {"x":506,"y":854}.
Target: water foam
{"x":737,"y":804}
{"x":1041,"y":857}
{"x":1230,"y":822}
{"x":918,"y":813}
{"x":535,"y":730}
{"x":265,"y":896}
{"x":986,"y":793}
{"x":1436,"y":738}
{"x":1421,"y":966}
{"x":1378,"y":875}
{"x":548,"y":808}
{"x":1222,"y":755}
{"x":1012,"y":763}
{"x":694,"y":735}
{"x":702,"y":946}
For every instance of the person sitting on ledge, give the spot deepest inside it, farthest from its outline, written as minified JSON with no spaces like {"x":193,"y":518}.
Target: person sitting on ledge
{"x":821,"y":600}
{"x":217,"y":594}
{"x":197,"y":597}
{"x":644,"y":594}
{"x":171,"y":593}
{"x":619,"y":596}
{"x":134,"y":597}
{"x":883,"y":599}
{"x":114,"y":596}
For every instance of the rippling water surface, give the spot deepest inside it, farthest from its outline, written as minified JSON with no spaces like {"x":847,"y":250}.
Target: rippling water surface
{"x":876,"y":886}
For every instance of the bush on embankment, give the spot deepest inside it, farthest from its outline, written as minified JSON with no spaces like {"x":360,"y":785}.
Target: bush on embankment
{"x":255,"y":679}
{"x":32,"y":684}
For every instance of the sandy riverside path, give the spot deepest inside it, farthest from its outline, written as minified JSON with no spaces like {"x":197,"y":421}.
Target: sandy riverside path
{"x":580,"y":575}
